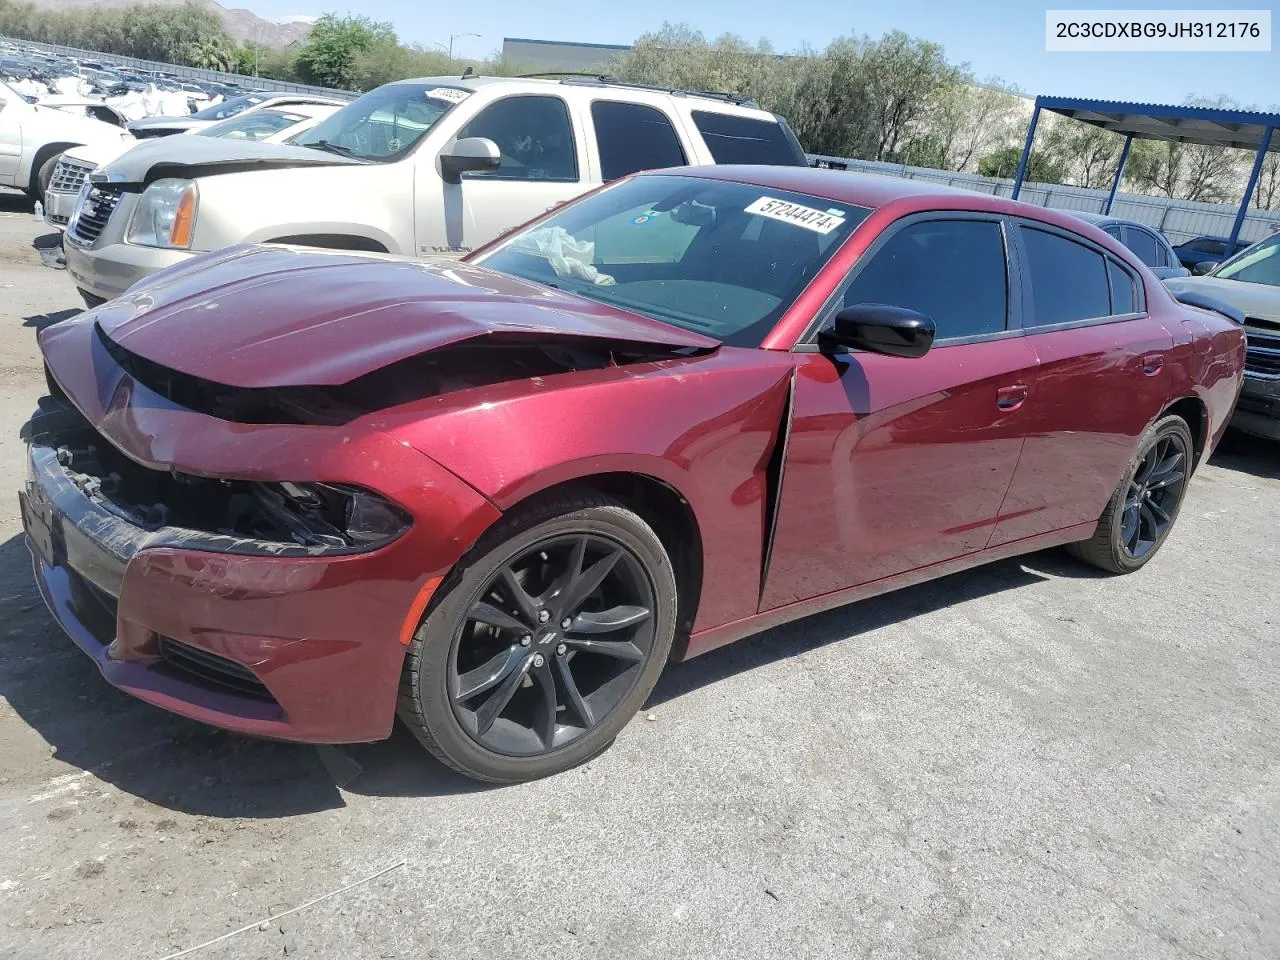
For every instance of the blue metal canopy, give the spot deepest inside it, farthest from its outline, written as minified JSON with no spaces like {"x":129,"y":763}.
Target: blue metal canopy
{"x":1238,"y":129}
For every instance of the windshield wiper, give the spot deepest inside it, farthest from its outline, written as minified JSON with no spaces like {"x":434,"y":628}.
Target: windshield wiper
{"x":331,"y":148}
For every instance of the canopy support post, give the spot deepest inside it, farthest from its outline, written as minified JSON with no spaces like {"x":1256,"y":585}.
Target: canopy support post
{"x":1115,"y":184}
{"x":1026,"y":151}
{"x":1248,"y":191}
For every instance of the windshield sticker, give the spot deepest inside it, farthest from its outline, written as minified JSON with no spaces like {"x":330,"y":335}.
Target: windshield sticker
{"x":452,"y":94}
{"x":797,"y":215}
{"x":644,"y":218}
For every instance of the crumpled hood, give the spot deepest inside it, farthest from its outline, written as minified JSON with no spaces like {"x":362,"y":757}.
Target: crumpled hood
{"x":193,"y":156}
{"x":1253,"y":299}
{"x":271,"y":316}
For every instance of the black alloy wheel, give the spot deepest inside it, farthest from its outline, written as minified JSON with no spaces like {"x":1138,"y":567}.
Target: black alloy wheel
{"x":1155,"y":491}
{"x":1142,"y":510}
{"x":551,"y":645}
{"x":544,"y":642}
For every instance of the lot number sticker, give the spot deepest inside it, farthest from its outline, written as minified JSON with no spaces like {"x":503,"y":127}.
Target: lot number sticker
{"x":819,"y":221}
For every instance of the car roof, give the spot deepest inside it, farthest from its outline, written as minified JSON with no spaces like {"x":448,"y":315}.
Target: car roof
{"x":897,"y":196}
{"x":728,"y":103}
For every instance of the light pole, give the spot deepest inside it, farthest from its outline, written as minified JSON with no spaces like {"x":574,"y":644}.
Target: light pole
{"x":453,"y":37}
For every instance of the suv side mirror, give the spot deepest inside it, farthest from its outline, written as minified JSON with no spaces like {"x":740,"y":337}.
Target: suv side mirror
{"x":467,"y":154}
{"x":880,"y":328}
{"x":1203,"y":267}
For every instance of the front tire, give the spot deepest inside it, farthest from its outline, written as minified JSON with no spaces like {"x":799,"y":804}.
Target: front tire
{"x":545,"y":641}
{"x":43,"y":177}
{"x":1145,"y":505}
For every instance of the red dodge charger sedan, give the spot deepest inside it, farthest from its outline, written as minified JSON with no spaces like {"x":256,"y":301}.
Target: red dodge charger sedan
{"x":295,"y":493}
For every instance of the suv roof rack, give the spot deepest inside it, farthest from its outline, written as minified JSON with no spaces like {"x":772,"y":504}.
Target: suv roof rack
{"x":605,"y":80}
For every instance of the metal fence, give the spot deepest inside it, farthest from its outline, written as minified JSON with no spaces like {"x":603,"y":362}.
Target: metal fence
{"x":1179,"y":220}
{"x":178,"y":70}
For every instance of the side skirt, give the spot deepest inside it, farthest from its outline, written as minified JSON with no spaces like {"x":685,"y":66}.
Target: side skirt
{"x":713,"y":637}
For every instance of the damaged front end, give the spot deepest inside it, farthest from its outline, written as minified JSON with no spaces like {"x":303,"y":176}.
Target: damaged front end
{"x":172,"y":508}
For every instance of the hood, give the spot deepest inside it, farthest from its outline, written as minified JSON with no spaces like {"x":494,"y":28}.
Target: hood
{"x":155,"y":159}
{"x":56,"y":124}
{"x":172,"y":123}
{"x":261,"y":317}
{"x":1253,"y":299}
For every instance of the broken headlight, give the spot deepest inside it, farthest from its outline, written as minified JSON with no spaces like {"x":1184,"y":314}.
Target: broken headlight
{"x":334,"y":516}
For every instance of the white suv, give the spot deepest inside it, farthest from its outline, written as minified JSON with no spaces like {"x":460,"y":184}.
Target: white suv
{"x":435,"y":166}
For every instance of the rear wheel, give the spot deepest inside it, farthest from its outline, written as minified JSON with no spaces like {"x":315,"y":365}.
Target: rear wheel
{"x":1142,"y":511}
{"x":546,"y":644}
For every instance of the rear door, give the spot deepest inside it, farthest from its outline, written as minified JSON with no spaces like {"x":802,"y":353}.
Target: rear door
{"x":1102,"y":380}
{"x":891,"y":463}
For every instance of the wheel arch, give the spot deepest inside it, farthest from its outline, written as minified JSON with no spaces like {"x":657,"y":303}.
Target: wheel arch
{"x":1196,"y":414}
{"x":43,"y":154}
{"x":672,"y":517}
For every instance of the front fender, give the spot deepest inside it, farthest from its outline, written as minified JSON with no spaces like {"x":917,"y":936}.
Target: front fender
{"x":704,"y":426}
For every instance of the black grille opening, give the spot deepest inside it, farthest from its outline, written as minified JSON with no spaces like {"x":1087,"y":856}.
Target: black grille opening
{"x":92,"y":217}
{"x":1262,"y":354}
{"x":211,"y":670}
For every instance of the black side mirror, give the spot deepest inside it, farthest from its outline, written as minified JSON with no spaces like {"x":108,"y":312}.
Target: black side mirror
{"x":1204,"y":267}
{"x":880,"y":328}
{"x":468,"y":154}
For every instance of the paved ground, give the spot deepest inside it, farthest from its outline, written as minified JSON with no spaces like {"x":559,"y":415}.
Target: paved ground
{"x":1023,"y":761}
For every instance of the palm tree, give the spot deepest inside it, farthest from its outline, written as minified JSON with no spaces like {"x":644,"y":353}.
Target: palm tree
{"x":211,"y":54}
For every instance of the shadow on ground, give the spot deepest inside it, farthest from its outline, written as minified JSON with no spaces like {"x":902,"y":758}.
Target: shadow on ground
{"x":1247,"y":454}
{"x":849,"y":622}
{"x":14,"y":202}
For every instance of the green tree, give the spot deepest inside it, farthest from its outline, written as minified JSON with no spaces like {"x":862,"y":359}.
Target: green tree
{"x":328,"y":58}
{"x":1041,"y":168}
{"x":212,"y":54}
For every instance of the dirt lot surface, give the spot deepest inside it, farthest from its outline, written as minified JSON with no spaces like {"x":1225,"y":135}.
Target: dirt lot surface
{"x":1023,"y":761}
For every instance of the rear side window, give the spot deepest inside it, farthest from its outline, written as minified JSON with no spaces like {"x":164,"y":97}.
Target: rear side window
{"x":1124,"y":293}
{"x":1068,"y":280}
{"x":952,"y":271}
{"x":747,"y":140}
{"x":1145,"y":246}
{"x":632,"y":137}
{"x":1207,"y":246}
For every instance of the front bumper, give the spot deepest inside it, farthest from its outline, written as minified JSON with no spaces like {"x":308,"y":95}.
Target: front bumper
{"x":1258,"y":409}
{"x":58,"y":207}
{"x":291,"y":648}
{"x":105,"y":271}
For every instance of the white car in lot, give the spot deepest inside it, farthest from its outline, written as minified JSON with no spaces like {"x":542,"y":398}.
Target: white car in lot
{"x":32,"y":137}
{"x":276,"y":125}
{"x":435,"y":166}
{"x":148,"y":128}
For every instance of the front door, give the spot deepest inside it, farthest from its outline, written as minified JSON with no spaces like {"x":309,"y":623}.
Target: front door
{"x":543,"y":165}
{"x":894,"y":464}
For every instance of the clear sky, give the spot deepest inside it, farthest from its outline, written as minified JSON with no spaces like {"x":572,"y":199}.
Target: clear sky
{"x":1004,"y":39}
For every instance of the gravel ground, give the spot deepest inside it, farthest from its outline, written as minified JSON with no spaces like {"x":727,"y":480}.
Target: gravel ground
{"x":1027,"y":760}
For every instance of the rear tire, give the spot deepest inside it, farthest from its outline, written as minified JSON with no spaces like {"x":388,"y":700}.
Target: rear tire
{"x":1144,"y":507}
{"x":496,"y":686}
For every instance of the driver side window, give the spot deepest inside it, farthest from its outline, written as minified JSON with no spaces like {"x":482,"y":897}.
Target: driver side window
{"x":533,"y":135}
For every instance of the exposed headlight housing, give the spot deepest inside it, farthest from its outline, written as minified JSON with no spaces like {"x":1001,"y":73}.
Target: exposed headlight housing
{"x":165,"y":215}
{"x":333,"y":516}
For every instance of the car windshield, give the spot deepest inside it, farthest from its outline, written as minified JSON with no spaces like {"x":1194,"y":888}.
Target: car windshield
{"x":386,"y":123}
{"x":252,"y":126}
{"x":719,"y":258}
{"x":1258,"y":264}
{"x":228,"y":108}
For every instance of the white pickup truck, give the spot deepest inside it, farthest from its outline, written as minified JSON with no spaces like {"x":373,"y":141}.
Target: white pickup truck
{"x":32,"y":137}
{"x":428,"y":167}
